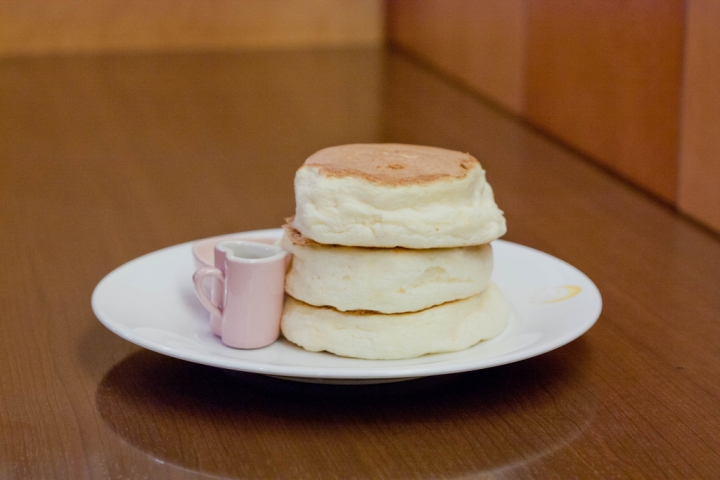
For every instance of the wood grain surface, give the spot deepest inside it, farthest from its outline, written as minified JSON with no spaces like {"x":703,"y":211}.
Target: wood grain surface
{"x":105,"y":158}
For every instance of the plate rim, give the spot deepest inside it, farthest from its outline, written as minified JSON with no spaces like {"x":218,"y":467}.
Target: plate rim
{"x":349,"y":373}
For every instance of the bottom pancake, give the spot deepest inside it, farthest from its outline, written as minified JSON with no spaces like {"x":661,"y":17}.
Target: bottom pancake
{"x":448,"y":327}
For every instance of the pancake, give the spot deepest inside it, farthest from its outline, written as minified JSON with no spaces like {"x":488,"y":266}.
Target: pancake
{"x":445,"y":328}
{"x":393,"y":195}
{"x":386,"y":280}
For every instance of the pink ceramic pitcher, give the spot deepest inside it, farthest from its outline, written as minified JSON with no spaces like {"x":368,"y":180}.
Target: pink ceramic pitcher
{"x":248,"y":296}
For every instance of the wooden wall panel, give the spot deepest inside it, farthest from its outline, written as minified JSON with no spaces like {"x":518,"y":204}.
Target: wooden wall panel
{"x":605,"y":77}
{"x":481,"y":43}
{"x":36,"y":26}
{"x":699,"y":179}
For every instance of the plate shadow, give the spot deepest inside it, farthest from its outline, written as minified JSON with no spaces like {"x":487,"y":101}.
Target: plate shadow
{"x":247,"y":425}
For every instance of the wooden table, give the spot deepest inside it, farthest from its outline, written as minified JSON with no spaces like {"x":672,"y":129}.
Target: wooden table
{"x":103,"y":159}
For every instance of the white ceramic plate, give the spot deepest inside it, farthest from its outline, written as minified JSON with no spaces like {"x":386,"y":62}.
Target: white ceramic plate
{"x":150,"y":301}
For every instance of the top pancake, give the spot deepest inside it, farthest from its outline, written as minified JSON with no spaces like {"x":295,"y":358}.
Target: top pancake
{"x":392,"y":163}
{"x":391,"y":195}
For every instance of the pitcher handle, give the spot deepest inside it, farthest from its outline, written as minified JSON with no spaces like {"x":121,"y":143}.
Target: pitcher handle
{"x":198,"y":278}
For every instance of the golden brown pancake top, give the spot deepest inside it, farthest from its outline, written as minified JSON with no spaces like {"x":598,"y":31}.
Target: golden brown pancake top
{"x":392,"y":163}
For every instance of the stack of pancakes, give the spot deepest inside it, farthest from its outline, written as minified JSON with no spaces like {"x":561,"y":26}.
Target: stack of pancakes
{"x":391,"y":253}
